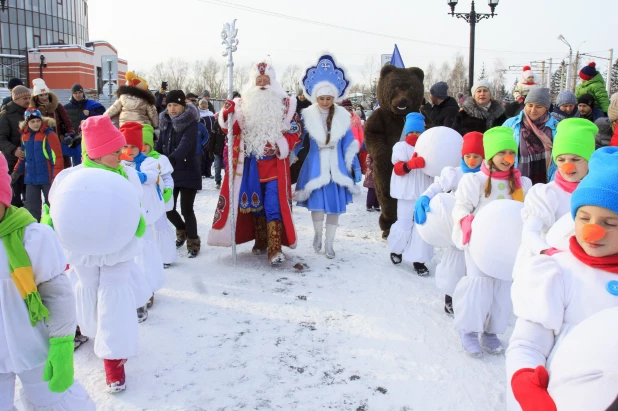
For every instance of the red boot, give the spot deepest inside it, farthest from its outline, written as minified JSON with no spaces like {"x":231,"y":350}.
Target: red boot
{"x":114,"y":375}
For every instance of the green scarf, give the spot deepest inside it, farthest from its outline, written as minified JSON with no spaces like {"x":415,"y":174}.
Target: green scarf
{"x":154,"y":154}
{"x":12,"y":229}
{"x":118,"y":170}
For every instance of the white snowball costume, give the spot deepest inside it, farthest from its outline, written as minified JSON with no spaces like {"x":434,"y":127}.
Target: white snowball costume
{"x":480,"y":301}
{"x":95,"y":214}
{"x":403,"y":238}
{"x":164,"y":232}
{"x":452,"y":266}
{"x":23,"y":348}
{"x":153,"y":208}
{"x":551,"y":295}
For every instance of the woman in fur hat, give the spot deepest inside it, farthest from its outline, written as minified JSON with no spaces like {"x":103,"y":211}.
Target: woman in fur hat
{"x":134,"y":103}
{"x":479,"y":112}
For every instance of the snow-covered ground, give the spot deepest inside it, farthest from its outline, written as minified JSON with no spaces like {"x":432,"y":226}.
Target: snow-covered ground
{"x":353,"y":333}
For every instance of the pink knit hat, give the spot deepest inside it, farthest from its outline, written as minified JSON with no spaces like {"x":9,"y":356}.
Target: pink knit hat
{"x":6,"y":193}
{"x":101,"y":137}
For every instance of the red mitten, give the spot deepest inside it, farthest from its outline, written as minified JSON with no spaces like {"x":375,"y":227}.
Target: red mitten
{"x":228,"y":108}
{"x":551,"y":251}
{"x":530,"y":389}
{"x":416,"y":162}
{"x":521,"y":99}
{"x":466,"y":228}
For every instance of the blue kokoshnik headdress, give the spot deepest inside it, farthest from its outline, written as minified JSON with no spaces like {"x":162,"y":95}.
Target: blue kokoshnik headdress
{"x":326,"y":78}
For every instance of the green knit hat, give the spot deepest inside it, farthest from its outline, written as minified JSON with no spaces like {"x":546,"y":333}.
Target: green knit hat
{"x":497,"y":139}
{"x":575,"y":136}
{"x":148,"y":135}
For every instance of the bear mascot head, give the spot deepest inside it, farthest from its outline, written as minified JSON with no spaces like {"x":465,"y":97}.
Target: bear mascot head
{"x":400,"y":92}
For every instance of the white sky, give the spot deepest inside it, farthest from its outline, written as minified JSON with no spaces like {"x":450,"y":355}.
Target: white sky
{"x":149,"y":31}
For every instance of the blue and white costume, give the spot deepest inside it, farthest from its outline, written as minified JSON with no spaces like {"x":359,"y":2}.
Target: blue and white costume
{"x":331,"y":169}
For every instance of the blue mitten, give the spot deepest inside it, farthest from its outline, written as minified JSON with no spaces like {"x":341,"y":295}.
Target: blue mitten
{"x":142,"y":177}
{"x":421,"y":208}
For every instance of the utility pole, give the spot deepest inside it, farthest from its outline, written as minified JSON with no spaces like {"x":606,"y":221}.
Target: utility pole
{"x":549,"y":74}
{"x":562,"y":76}
{"x":574,"y":72}
{"x":543,"y":73}
{"x":610,"y":72}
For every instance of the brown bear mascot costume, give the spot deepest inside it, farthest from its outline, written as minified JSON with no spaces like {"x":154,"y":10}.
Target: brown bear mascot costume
{"x":400,"y":91}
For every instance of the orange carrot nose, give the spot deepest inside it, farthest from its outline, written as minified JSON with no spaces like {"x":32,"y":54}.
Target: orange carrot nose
{"x":126,"y":154}
{"x":509,"y":159}
{"x":470,"y":162}
{"x":568,"y":168}
{"x":592,"y":233}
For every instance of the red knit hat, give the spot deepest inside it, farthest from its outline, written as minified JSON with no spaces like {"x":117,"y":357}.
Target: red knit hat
{"x":588,"y":72}
{"x":473,"y":144}
{"x":133,"y":133}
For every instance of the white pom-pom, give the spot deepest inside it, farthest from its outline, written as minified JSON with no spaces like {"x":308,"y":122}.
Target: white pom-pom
{"x":496,"y":237}
{"x":95,"y":212}
{"x":440,"y":147}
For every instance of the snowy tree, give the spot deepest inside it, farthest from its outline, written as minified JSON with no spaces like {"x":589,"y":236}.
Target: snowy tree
{"x":558,"y":81}
{"x":458,"y":81}
{"x":497,"y":79}
{"x":430,"y":77}
{"x":483,"y":75}
{"x":290,"y":80}
{"x":613,"y":79}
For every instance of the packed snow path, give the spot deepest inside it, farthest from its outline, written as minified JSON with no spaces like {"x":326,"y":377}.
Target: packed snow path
{"x":353,"y":333}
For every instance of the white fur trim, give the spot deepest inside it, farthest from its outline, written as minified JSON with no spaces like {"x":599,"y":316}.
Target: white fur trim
{"x":291,"y":112}
{"x":284,"y":148}
{"x":350,"y":153}
{"x":312,"y":120}
{"x":319,"y":89}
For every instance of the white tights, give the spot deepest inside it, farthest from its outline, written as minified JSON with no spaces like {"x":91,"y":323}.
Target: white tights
{"x":331,"y":219}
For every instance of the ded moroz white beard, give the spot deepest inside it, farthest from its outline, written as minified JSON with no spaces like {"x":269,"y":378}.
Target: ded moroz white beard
{"x":263,"y":113}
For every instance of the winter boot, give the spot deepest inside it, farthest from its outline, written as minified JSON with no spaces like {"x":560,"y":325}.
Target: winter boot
{"x":142,"y":314}
{"x":396,"y":258}
{"x":79,"y":338}
{"x":181,"y":237}
{"x":377,"y":209}
{"x":166,"y":266}
{"x":491,"y":343}
{"x":470,"y":343}
{"x":317,"y":235}
{"x":261,"y":235}
{"x":114,"y":375}
{"x":150,"y":302}
{"x":420,"y":269}
{"x":275,"y":255}
{"x":330,"y":240}
{"x":448,"y":305}
{"x":370,"y":209}
{"x":193,"y":246}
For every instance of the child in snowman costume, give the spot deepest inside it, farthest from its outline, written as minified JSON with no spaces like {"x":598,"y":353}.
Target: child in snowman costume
{"x":452,"y":267}
{"x":408,"y":182}
{"x":110,"y":286}
{"x":37,"y":313}
{"x":164,"y":232}
{"x":546,"y":203}
{"x":553,"y":294}
{"x":153,"y":205}
{"x":331,"y":169}
{"x":482,"y":303}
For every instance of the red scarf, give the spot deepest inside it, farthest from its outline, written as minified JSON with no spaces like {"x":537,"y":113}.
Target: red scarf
{"x":412,"y":139}
{"x":608,"y":263}
{"x":565,"y":185}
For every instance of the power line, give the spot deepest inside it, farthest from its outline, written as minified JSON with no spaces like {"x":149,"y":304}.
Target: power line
{"x":319,"y":23}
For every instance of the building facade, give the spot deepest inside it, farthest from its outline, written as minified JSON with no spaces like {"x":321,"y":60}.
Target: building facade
{"x":26,"y":24}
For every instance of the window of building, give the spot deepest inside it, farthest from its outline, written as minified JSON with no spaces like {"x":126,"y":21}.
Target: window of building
{"x":37,"y":41}
{"x":14,"y":38}
{"x":6,"y":43}
{"x":29,"y":37}
{"x":21,"y":30}
{"x":12,"y":3}
{"x":21,"y":19}
{"x":4,"y":17}
{"x":43,"y":22}
{"x":28,"y":18}
{"x":20,"y":4}
{"x":28,"y":5}
{"x":42,"y":6}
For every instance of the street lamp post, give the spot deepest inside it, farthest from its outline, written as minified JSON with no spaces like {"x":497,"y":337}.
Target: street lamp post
{"x":472,"y":18}
{"x":562,"y":39}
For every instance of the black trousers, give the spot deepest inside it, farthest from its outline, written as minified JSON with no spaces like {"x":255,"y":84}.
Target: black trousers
{"x":19,"y":192}
{"x":187,"y":198}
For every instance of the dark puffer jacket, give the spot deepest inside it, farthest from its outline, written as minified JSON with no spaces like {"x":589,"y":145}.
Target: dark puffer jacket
{"x":10,"y":135}
{"x":474,"y":118}
{"x":178,"y":141}
{"x":443,"y":114}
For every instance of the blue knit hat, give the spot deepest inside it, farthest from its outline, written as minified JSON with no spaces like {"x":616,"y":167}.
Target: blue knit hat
{"x":31,"y":113}
{"x":600,"y":186}
{"x":566,"y":97}
{"x":415,"y":122}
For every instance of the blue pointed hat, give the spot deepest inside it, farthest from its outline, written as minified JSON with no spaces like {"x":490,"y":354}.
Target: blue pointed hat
{"x":325,"y":78}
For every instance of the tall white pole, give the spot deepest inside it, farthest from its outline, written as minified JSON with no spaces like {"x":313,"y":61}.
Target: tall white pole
{"x":570,"y":70}
{"x":609,"y":72}
{"x":549,"y":74}
{"x":230,"y":43}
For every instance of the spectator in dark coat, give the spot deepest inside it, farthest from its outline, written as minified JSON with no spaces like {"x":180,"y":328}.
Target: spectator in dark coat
{"x":215,"y":146}
{"x":586,"y":108}
{"x":301,"y":101}
{"x":160,"y":98}
{"x":444,"y":108}
{"x":178,"y":126}
{"x":79,"y":108}
{"x":479,"y":112}
{"x":206,"y":95}
{"x":14,"y":82}
{"x":604,"y":136}
{"x":207,"y":118}
{"x":10,"y":137}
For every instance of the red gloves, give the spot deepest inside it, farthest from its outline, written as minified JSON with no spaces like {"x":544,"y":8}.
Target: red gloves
{"x":416,"y":162}
{"x":466,"y":228}
{"x":228,"y":108}
{"x":530,"y":389}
